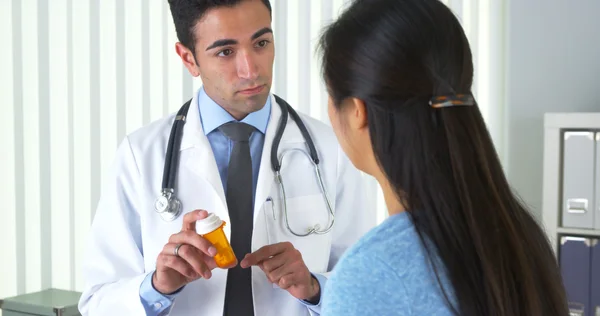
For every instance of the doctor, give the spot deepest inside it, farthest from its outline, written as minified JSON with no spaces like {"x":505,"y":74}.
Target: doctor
{"x":142,"y":262}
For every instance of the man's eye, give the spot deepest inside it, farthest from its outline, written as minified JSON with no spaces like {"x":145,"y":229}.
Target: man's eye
{"x":225,"y":53}
{"x":263,"y":43}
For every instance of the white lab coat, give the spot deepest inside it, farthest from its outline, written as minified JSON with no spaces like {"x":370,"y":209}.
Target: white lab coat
{"x":127,"y":234}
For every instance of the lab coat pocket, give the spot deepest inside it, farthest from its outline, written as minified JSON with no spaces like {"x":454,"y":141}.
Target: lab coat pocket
{"x":303,"y":213}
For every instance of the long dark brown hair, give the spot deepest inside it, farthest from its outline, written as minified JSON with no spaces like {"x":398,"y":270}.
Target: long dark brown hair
{"x":395,"y":55}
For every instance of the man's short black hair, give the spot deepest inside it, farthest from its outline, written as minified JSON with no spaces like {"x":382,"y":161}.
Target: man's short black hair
{"x":186,"y":14}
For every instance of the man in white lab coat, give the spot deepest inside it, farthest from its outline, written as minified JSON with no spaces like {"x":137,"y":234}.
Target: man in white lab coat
{"x":140,"y":264}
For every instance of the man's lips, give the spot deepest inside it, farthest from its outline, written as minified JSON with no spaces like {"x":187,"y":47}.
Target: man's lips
{"x":253,"y":90}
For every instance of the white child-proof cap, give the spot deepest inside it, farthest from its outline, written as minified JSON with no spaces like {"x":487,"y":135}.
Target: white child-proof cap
{"x":207,"y":225}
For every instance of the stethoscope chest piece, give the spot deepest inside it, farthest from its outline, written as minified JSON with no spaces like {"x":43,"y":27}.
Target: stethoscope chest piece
{"x":168,"y":206}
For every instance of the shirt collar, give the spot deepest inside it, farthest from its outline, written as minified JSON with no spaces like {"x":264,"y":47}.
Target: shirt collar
{"x":213,"y":115}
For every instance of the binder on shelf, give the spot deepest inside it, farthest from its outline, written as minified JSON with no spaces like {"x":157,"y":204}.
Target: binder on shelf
{"x":575,"y":266}
{"x":597,"y":187}
{"x":595,"y":279}
{"x":578,"y":203}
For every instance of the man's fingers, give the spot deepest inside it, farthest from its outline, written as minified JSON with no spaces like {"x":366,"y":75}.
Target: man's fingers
{"x":276,"y":274}
{"x":191,"y":238}
{"x":189,"y":219}
{"x":229,"y":266}
{"x":264,"y":253}
{"x":274,"y":263}
{"x":192,"y":256}
{"x":178,"y":264}
{"x":287,"y":281}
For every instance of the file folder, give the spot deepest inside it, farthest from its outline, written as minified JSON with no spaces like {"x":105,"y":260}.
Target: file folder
{"x":578,"y":180}
{"x":595,"y":286}
{"x":575,"y":266}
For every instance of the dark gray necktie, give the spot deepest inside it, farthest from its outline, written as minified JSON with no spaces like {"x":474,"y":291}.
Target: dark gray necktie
{"x":238,"y":293}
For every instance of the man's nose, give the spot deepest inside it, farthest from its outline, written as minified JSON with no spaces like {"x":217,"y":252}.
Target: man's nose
{"x":247,"y":68}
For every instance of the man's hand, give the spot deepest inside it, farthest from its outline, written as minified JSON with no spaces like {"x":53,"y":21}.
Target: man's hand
{"x":195,"y":257}
{"x":283,"y":265}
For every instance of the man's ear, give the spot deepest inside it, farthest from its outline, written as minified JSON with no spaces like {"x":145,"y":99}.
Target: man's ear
{"x":188,"y":59}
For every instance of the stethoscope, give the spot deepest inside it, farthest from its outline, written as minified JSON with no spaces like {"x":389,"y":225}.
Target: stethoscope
{"x":169,"y":206}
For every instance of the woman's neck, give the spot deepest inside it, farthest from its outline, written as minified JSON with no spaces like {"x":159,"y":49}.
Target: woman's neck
{"x":390,"y":196}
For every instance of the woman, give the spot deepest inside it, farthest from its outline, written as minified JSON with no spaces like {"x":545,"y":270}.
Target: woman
{"x":457,"y":241}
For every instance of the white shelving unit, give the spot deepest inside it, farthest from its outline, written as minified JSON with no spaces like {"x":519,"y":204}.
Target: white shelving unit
{"x":555,"y":125}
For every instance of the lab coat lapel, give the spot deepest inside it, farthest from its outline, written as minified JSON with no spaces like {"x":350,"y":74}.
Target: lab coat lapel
{"x":266,"y":175}
{"x":202,"y":160}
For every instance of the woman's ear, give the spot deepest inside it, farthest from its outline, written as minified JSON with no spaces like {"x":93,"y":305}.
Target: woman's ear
{"x":357,"y":113}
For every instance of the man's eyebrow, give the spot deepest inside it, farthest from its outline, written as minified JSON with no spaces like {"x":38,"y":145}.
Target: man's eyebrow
{"x":261,"y":32}
{"x":226,"y":42}
{"x":222,"y":42}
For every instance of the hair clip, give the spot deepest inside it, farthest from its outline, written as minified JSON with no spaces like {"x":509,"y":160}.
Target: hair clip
{"x":452,"y":100}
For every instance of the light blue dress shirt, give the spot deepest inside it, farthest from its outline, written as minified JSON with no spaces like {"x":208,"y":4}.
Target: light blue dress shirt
{"x":212,"y":116}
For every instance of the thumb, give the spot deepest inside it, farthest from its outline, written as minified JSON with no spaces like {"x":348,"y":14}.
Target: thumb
{"x":189,"y":219}
{"x":202,"y":214}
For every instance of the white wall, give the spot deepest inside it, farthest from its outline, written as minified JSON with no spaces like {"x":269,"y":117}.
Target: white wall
{"x":553,"y":66}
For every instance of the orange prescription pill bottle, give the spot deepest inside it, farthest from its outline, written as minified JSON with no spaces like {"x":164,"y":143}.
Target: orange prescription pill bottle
{"x":211,"y":228}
